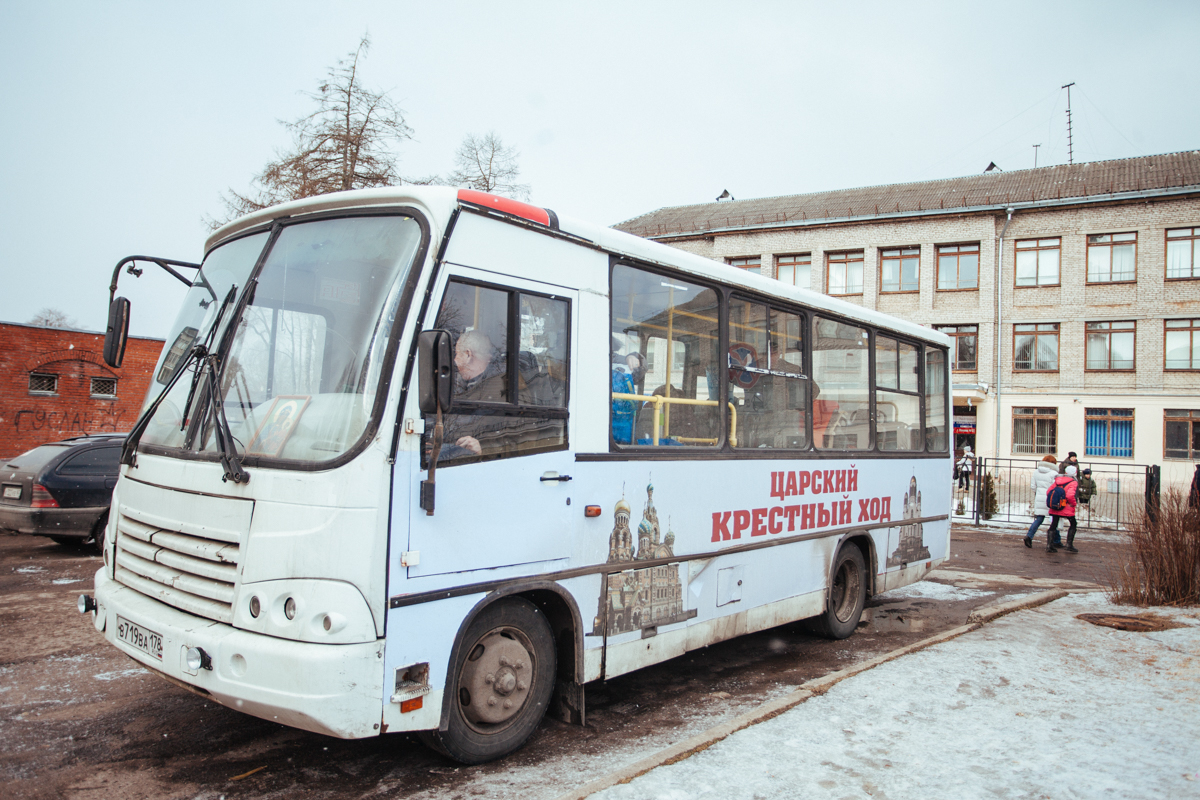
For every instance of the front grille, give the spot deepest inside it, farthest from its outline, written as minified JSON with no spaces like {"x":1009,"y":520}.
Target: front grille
{"x":191,"y":573}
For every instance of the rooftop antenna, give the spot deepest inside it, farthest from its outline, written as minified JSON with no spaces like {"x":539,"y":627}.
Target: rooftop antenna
{"x":1035,"y":147}
{"x":1070,"y":149}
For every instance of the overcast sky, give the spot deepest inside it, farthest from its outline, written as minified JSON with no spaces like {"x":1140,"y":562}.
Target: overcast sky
{"x":124,"y":122}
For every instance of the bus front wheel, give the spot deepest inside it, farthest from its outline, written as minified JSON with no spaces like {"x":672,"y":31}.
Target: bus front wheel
{"x":501,"y":683}
{"x":847,"y":595}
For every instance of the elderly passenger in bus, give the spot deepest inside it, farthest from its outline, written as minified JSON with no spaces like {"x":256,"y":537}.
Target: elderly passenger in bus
{"x":481,"y":377}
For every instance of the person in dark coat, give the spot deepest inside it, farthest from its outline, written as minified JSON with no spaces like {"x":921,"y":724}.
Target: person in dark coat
{"x":1194,"y":494}
{"x":1071,"y":487}
{"x":1071,"y":460}
{"x":1087,"y":487}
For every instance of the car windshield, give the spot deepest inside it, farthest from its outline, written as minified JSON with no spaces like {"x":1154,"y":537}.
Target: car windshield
{"x":304,"y":361}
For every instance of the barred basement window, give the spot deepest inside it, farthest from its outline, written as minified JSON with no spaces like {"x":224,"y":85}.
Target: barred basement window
{"x":43,"y":384}
{"x":104,"y":387}
{"x":1181,"y":433}
{"x":1035,"y":431}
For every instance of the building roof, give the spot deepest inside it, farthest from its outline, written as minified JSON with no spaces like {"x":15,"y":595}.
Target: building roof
{"x":1095,"y":181}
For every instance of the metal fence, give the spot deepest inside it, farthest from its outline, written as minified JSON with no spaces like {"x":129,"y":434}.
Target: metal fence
{"x":1123,"y":492}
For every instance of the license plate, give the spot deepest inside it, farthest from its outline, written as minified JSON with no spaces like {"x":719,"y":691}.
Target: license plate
{"x":13,"y":491}
{"x":143,"y":639}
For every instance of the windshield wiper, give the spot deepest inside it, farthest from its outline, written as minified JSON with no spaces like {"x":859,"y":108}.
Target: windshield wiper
{"x":229,"y":455}
{"x":196,"y":352}
{"x":129,"y":451}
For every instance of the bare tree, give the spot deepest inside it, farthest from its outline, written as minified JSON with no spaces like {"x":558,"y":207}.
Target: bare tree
{"x":52,"y":318}
{"x":346,"y":143}
{"x":486,"y":164}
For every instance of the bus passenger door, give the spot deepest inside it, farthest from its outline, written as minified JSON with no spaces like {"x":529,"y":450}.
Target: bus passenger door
{"x":503,"y":477}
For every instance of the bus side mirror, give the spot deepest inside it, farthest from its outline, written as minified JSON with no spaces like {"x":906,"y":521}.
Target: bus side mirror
{"x":435,"y":370}
{"x":117,"y":332}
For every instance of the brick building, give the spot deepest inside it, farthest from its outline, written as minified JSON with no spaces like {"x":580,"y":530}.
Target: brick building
{"x":54,"y":384}
{"x":1088,"y":273}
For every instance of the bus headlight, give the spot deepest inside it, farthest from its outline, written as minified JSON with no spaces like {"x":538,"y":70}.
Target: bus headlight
{"x":306,"y":610}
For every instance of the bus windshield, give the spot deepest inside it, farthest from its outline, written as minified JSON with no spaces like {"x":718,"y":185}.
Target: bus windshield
{"x":301,"y":367}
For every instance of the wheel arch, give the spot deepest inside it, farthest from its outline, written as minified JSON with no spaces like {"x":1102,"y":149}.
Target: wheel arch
{"x":561,"y":612}
{"x":866,"y":546}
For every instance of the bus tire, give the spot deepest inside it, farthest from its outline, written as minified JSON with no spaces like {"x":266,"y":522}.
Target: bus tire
{"x":500,"y":684}
{"x":847,"y":595}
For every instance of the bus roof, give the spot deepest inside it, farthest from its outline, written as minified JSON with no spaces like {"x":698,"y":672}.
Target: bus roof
{"x":439,"y":202}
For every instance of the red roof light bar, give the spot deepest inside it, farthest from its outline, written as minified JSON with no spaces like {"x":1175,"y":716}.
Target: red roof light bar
{"x":505,"y":205}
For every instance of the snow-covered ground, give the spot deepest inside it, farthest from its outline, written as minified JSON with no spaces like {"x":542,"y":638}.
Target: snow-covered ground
{"x":1037,"y":704}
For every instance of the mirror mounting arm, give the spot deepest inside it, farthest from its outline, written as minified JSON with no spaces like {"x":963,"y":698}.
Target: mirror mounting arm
{"x":165,"y":263}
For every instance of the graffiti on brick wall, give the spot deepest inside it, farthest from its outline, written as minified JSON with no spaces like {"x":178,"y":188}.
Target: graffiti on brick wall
{"x":68,"y":422}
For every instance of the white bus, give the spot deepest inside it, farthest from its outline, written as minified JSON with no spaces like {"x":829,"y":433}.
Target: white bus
{"x":427,"y":459}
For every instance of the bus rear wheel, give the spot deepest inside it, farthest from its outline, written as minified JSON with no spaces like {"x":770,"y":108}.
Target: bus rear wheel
{"x":501,"y":683}
{"x":847,"y":595}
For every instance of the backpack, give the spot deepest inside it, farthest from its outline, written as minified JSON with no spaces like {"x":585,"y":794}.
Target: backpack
{"x":1056,"y":498}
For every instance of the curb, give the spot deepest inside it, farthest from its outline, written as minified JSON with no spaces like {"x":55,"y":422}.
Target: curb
{"x":818,"y":686}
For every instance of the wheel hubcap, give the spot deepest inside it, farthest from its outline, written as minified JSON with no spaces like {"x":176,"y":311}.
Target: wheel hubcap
{"x":494,"y":683}
{"x":846,"y":588}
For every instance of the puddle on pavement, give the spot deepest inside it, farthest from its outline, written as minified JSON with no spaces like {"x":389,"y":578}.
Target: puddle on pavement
{"x":892,"y":620}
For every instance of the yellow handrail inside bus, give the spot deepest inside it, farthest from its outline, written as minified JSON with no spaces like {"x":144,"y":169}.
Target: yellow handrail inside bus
{"x":659,"y":401}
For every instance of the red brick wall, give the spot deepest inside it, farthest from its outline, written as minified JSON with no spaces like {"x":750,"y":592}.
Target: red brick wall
{"x":75,"y":357}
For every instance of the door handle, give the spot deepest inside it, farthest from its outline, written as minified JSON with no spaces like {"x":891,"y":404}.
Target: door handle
{"x":549,"y":477}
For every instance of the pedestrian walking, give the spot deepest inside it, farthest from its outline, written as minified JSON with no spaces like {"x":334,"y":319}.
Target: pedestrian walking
{"x":1041,"y":481}
{"x":1060,"y":501}
{"x":966,"y":466}
{"x":1071,"y":460}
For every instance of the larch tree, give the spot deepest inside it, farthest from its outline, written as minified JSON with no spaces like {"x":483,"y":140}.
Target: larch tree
{"x":347,"y":142}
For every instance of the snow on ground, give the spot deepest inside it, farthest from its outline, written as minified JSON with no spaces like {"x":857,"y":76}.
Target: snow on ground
{"x":1034,"y":704}
{"x":933,"y":590}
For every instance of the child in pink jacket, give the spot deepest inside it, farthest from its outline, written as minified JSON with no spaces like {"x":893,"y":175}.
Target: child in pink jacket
{"x":1070,"y":485}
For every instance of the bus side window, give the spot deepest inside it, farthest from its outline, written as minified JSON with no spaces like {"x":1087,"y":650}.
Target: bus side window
{"x":507,"y":400}
{"x":842,"y":386}
{"x":767,"y":383}
{"x":664,"y":361}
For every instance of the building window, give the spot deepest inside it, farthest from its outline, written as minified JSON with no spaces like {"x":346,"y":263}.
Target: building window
{"x":1109,"y":432}
{"x":104,"y":387}
{"x":1111,"y":257}
{"x":1035,"y":431}
{"x":42,"y":384}
{"x":1183,"y":253}
{"x":795,"y":270}
{"x":1035,"y":347}
{"x":1181,"y":433}
{"x":1110,"y":345}
{"x":1037,"y":262}
{"x":962,"y":352}
{"x":1183,"y":343}
{"x":899,"y":269}
{"x":749,"y":263}
{"x":958,"y":266}
{"x":844,"y":272}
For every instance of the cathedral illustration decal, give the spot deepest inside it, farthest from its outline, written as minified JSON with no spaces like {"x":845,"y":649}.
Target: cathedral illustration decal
{"x":639,"y":598}
{"x":912,"y":535}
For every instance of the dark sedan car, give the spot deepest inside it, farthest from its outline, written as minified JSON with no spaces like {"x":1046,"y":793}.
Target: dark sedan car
{"x":62,"y":490}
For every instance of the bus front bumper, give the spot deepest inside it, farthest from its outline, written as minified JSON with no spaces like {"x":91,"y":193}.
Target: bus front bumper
{"x":336,"y":690}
